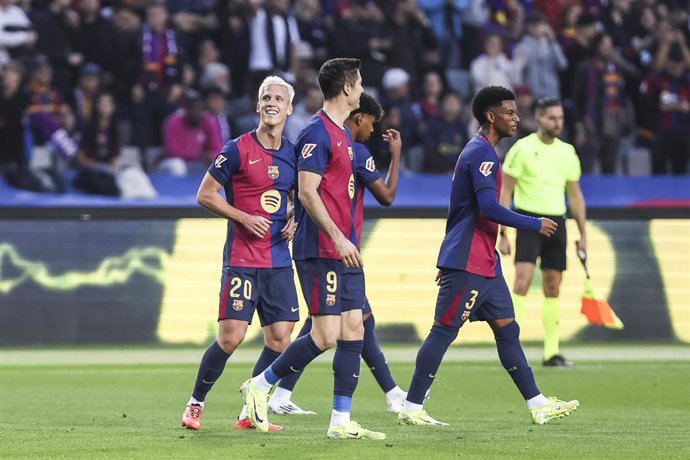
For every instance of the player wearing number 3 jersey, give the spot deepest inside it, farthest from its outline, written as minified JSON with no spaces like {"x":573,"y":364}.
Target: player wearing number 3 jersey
{"x":257,"y":172}
{"x":470,"y":279}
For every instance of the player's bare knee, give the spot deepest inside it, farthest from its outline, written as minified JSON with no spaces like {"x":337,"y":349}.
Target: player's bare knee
{"x":522,"y":283}
{"x":521,"y":290}
{"x":552,"y":291}
{"x":504,"y":328}
{"x":328,"y":341}
{"x":229,"y":343}
{"x":278,"y":344}
{"x":325,"y":339}
{"x":354,"y":332}
{"x":523,"y":280}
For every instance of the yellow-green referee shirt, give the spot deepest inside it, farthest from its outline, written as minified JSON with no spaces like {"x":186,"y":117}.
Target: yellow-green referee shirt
{"x":542,"y":171}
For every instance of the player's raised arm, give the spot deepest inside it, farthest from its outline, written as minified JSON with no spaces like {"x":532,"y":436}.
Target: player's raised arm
{"x":310,"y":199}
{"x":385,"y":191}
{"x":209,"y":197}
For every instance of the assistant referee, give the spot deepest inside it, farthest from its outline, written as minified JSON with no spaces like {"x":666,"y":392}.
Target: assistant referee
{"x":540,"y":168}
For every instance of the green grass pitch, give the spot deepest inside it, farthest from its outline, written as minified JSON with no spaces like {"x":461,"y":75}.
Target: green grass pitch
{"x":628,"y":410}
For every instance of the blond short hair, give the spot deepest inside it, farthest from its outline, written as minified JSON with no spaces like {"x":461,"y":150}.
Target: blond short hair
{"x":275,"y":80}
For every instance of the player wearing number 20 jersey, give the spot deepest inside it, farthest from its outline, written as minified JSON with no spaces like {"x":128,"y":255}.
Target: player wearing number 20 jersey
{"x":257,"y":172}
{"x":257,"y":181}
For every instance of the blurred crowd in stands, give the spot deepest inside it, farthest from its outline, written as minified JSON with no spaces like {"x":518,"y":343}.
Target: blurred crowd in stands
{"x":116,"y":89}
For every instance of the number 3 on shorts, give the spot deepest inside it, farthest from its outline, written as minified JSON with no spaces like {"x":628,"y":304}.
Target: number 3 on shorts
{"x":470,"y":303}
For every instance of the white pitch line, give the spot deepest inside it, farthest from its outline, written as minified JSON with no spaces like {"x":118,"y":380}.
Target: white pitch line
{"x":588,"y":353}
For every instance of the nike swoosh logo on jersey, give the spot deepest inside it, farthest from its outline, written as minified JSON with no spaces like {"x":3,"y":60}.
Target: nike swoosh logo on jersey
{"x":338,"y":144}
{"x":294,"y":309}
{"x":251,"y":162}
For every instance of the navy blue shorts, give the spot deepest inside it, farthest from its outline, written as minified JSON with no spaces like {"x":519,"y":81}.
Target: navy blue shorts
{"x":321,"y":281}
{"x":367,"y":308}
{"x":270,"y":291}
{"x":464,"y":296}
{"x":353,"y":292}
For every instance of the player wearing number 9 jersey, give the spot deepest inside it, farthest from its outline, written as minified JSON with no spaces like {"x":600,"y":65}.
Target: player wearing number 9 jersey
{"x":361,"y":124}
{"x":470,"y":279}
{"x":257,"y":172}
{"x":325,"y":244}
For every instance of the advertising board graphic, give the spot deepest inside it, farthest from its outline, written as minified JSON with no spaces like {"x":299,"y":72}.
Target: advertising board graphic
{"x":120,"y":281}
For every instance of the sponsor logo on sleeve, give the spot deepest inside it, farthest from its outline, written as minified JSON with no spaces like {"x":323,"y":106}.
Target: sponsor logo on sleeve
{"x":370,"y":165}
{"x":485,"y":168}
{"x":220,"y":159}
{"x":308,"y":150}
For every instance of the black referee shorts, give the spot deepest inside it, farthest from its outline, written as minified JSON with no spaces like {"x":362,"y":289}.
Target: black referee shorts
{"x":530,"y":245}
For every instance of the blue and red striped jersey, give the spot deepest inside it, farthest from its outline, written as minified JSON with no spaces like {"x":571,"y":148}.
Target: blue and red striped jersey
{"x":325,"y":148}
{"x":470,"y":241}
{"x":257,"y":181}
{"x":366,"y":174}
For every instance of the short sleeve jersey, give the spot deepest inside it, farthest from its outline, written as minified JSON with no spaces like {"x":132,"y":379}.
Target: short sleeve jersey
{"x":470,"y":240}
{"x":366,"y":175}
{"x":324,"y":148}
{"x":541,"y":172}
{"x":257,"y":181}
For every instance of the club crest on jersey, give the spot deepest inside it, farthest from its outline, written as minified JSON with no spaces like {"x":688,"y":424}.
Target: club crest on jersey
{"x":220,"y":159}
{"x":485,"y":168}
{"x":330,"y":299}
{"x":370,"y":165}
{"x":271,"y":201}
{"x":237,"y":305}
{"x":273,"y":172}
{"x":350,"y":152}
{"x":307,"y":150}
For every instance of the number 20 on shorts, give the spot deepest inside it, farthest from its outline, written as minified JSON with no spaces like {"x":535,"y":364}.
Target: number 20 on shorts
{"x":235,"y":285}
